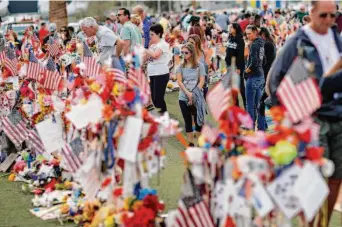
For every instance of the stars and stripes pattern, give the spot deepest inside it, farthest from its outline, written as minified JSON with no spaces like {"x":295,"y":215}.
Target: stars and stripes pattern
{"x":137,"y":77}
{"x":2,"y":55}
{"x":209,"y":133}
{"x":16,"y":131}
{"x":218,"y":99}
{"x":34,"y":141}
{"x":298,"y":92}
{"x":34,"y":69}
{"x":72,"y":161}
{"x":91,"y":40}
{"x":193,"y":213}
{"x":11,"y":61}
{"x":118,"y":75}
{"x":53,"y":47}
{"x":51,"y":77}
{"x":92,"y":67}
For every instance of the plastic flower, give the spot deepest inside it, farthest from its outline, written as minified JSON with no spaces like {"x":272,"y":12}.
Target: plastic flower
{"x":107,"y":112}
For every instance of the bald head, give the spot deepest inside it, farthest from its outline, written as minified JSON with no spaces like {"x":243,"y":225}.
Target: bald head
{"x":139,"y":10}
{"x":322,"y":14}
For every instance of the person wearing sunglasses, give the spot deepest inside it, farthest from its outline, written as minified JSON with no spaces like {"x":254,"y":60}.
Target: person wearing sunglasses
{"x":190,"y":77}
{"x":65,"y":35}
{"x":322,"y":46}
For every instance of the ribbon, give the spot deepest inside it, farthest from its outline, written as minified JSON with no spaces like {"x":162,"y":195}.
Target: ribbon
{"x":109,"y":151}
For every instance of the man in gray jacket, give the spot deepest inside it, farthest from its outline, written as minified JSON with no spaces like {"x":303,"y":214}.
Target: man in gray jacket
{"x":322,"y":46}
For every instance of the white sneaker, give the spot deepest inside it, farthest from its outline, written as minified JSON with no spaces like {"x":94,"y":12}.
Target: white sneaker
{"x":338,"y":207}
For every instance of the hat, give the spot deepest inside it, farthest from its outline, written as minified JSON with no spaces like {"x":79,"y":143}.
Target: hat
{"x":52,"y":27}
{"x":194,"y":19}
{"x":277,"y":11}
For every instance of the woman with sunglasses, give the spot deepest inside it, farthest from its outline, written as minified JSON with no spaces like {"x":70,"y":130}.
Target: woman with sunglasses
{"x":65,"y":36}
{"x":196,"y":41}
{"x":157,"y":68}
{"x":190,"y":74}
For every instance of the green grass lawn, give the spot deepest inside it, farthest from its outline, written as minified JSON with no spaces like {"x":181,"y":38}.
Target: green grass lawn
{"x":15,"y":205}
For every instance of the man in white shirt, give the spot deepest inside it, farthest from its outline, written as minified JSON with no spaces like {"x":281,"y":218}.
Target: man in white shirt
{"x":322,"y":46}
{"x":106,"y":39}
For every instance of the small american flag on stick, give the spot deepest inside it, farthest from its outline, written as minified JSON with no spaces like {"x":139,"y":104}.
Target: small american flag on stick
{"x":53,"y":47}
{"x":15,"y":128}
{"x":137,"y":77}
{"x":11,"y":61}
{"x":35,"y":142}
{"x":34,"y":69}
{"x":298,"y":92}
{"x":218,"y":99}
{"x":71,"y":158}
{"x":92,"y":67}
{"x":192,"y":210}
{"x":51,"y":77}
{"x":118,"y":75}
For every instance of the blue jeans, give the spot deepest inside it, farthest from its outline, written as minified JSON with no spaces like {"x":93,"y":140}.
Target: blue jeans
{"x":254,"y":87}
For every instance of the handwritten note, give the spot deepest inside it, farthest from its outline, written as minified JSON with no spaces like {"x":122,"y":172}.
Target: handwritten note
{"x":310,"y":184}
{"x":281,"y":190}
{"x":128,"y":143}
{"x":83,"y":114}
{"x":260,"y":198}
{"x":51,"y":133}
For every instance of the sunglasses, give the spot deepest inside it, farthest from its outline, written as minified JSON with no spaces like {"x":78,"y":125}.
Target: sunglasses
{"x":185,"y":52}
{"x":63,"y":30}
{"x":325,"y":15}
{"x":119,"y":15}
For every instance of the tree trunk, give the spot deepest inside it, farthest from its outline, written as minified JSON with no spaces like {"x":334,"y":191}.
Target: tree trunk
{"x":58,"y":13}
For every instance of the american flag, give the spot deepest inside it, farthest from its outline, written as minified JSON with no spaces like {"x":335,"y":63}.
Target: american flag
{"x":118,"y":75}
{"x":218,"y":99}
{"x":298,"y":92}
{"x":2,"y":55}
{"x":11,"y":61}
{"x":52,"y":78}
{"x":92,"y":67}
{"x":91,"y":40}
{"x":53,"y":47}
{"x":15,"y":128}
{"x":34,"y":69}
{"x":72,"y":159}
{"x":192,"y":210}
{"x":137,"y":77}
{"x":209,"y":133}
{"x":35,"y":142}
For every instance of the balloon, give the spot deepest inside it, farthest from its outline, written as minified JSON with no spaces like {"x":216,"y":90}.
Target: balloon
{"x":283,"y":153}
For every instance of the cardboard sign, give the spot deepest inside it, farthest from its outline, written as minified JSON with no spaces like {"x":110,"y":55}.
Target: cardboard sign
{"x":281,"y":190}
{"x":8,"y":162}
{"x":128,"y":143}
{"x":51,"y":133}
{"x":311,"y":190}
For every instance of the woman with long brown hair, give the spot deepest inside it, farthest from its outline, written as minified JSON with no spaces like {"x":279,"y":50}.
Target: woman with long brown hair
{"x":201,"y":57}
{"x":190,"y":74}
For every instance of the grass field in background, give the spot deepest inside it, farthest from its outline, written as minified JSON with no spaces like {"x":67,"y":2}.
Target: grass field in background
{"x":15,"y":205}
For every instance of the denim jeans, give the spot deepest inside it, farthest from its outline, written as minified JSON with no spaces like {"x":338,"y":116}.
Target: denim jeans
{"x":117,"y":64}
{"x":254,"y":87}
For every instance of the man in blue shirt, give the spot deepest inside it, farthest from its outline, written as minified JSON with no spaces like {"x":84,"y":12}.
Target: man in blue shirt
{"x":146,"y":24}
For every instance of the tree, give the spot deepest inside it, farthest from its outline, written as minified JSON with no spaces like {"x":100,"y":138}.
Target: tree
{"x":58,"y":13}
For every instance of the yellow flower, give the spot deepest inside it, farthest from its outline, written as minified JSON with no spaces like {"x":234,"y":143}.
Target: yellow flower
{"x":95,"y":87}
{"x":83,"y":101}
{"x":109,"y":222}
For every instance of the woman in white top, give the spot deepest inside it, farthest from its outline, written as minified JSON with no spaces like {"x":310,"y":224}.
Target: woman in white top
{"x":157,"y":68}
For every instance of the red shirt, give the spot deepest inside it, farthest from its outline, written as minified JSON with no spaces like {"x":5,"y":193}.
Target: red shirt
{"x":243,"y":24}
{"x":42,"y":34}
